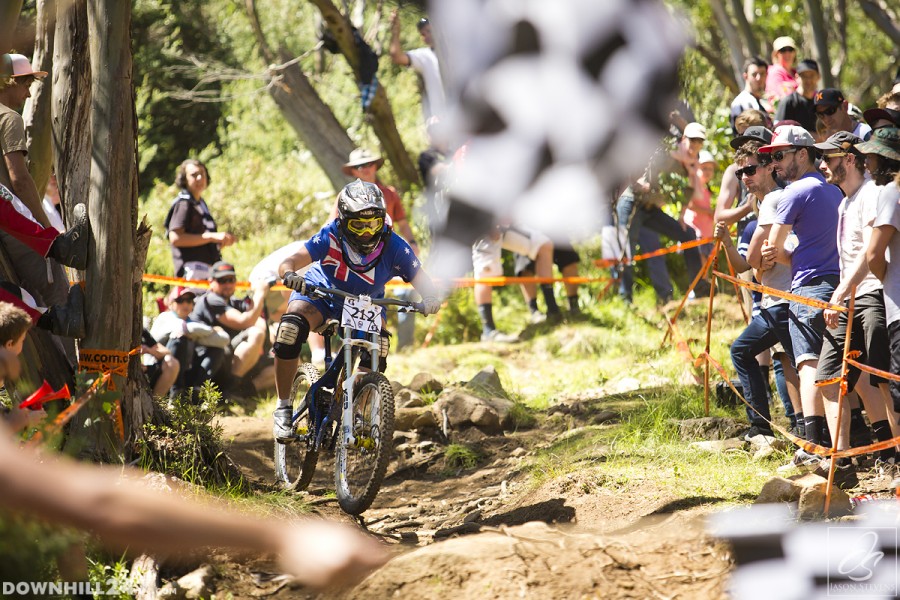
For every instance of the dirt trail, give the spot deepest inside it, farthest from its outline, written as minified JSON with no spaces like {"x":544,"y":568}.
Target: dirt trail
{"x":483,"y":533}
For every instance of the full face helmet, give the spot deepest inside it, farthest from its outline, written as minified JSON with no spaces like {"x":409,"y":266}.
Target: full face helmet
{"x":361,"y":211}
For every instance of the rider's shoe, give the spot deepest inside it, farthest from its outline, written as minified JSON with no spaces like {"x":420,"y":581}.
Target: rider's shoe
{"x":66,"y":320}
{"x":71,"y":248}
{"x":283,"y":429}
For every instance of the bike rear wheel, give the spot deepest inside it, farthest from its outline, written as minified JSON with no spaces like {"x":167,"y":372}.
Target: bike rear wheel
{"x":360,"y":468}
{"x":295,"y":463}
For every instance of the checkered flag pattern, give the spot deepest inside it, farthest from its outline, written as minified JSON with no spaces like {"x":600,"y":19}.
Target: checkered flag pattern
{"x":778,"y":558}
{"x":557,"y":103}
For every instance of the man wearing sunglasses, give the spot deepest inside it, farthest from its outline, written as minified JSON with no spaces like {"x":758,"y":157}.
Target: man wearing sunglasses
{"x":245,"y":327}
{"x":831,"y":108}
{"x":809,"y":208}
{"x":845,"y":166}
{"x":769,"y":326}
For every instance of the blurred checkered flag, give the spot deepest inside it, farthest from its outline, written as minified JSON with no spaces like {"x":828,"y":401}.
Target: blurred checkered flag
{"x":557,"y":103}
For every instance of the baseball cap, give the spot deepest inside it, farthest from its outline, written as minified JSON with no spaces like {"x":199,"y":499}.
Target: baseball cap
{"x":183,"y":293}
{"x":16,"y":65}
{"x":361,"y":156}
{"x":807,"y":64}
{"x":695,"y":131}
{"x":222,"y":269}
{"x":873,"y":115}
{"x":829,"y":97}
{"x":705,"y":156}
{"x":885,"y":141}
{"x":842,"y":140}
{"x":787,"y":136}
{"x":783,"y":42}
{"x":756,"y":133}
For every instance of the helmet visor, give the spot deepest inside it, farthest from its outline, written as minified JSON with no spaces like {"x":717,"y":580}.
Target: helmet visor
{"x":372,"y":225}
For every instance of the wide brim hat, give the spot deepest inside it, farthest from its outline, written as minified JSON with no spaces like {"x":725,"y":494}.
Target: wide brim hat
{"x":885,"y":141}
{"x":361,"y":156}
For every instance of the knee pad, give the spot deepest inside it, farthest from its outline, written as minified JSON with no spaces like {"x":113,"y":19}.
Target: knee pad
{"x":293,"y":330}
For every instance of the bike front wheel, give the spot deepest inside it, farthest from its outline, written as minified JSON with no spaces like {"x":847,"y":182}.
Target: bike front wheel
{"x":360,"y":467}
{"x":295,"y":463}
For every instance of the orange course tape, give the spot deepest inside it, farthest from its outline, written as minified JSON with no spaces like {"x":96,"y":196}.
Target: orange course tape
{"x":773,"y":292}
{"x":808,"y":446}
{"x":394,"y":283}
{"x":114,"y":362}
{"x":609,"y":262}
{"x":66,"y":414}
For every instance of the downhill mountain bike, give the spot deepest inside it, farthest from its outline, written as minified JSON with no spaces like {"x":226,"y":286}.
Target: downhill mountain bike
{"x":348,"y":410}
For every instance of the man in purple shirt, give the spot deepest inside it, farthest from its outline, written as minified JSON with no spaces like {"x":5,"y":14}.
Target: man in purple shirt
{"x":809,"y":208}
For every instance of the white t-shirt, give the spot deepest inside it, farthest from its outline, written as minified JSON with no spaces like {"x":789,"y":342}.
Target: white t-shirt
{"x":267,"y":268}
{"x":889,"y":214}
{"x":53,"y":214}
{"x":862,"y":130}
{"x":424,"y":61}
{"x":855,"y":214}
{"x":779,"y":276}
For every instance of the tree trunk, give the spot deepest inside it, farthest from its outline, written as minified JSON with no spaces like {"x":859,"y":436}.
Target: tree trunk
{"x":307,"y":114}
{"x":736,"y":51}
{"x":9,"y":18}
{"x":382,"y":117}
{"x":37,"y":115}
{"x":71,"y":104}
{"x":840,"y":18}
{"x":882,"y":19}
{"x":111,"y":307}
{"x":750,"y":41}
{"x":820,"y":35}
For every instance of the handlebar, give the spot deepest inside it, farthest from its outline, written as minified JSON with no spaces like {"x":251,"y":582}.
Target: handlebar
{"x":400,"y":305}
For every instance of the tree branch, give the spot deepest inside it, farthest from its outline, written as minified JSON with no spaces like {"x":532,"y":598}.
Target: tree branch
{"x":750,"y":41}
{"x":882,"y":19}
{"x":736,"y":51}
{"x":724,"y":73}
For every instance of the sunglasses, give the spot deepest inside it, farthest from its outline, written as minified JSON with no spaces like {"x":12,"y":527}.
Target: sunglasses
{"x":788,"y":49}
{"x":365,"y":165}
{"x":749,"y":170}
{"x":828,"y":157}
{"x":226,"y":279}
{"x":184,"y":300}
{"x":779,"y":155}
{"x":828,"y":111}
{"x":360,"y":226}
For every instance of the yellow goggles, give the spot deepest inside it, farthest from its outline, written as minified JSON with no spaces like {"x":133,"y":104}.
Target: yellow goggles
{"x":361,"y":226}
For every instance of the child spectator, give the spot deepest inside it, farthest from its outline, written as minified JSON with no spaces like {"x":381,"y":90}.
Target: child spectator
{"x":14,"y":325}
{"x":699,"y":213}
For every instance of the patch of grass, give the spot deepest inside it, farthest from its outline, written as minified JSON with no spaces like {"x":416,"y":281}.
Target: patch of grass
{"x":429,"y":397}
{"x":522,"y":416}
{"x":459,"y":456}
{"x":188,"y":445}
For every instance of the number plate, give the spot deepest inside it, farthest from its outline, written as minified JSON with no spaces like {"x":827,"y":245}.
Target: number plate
{"x":361,"y":314}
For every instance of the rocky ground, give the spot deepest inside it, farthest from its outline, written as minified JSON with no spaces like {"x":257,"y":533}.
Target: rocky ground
{"x":485,"y":531}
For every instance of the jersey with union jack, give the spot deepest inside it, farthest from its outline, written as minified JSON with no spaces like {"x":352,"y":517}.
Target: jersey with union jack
{"x":330,"y":268}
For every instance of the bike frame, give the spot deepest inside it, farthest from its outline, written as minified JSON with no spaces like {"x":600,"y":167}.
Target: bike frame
{"x":319,"y":417}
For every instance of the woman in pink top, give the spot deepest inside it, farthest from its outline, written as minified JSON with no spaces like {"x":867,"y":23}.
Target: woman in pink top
{"x":781,"y":79}
{"x":699,"y":213}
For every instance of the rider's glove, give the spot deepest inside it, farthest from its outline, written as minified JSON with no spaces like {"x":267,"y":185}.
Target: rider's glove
{"x":295,"y":282}
{"x":430,"y":305}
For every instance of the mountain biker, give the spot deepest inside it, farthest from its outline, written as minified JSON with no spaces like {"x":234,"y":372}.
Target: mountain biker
{"x":358,"y":252}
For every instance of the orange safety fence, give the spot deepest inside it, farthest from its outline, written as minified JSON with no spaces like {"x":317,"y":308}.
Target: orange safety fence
{"x":67,"y":413}
{"x":610,"y":262}
{"x":458,"y":282}
{"x":788,"y":295}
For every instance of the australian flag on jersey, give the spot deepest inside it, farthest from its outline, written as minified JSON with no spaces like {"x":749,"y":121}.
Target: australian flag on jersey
{"x":330,"y":268}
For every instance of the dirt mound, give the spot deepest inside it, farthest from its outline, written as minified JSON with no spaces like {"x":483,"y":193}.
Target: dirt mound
{"x":536,"y":560}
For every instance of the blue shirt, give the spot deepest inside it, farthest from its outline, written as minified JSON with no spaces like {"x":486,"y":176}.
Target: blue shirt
{"x":330,"y":267}
{"x":810,"y":206}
